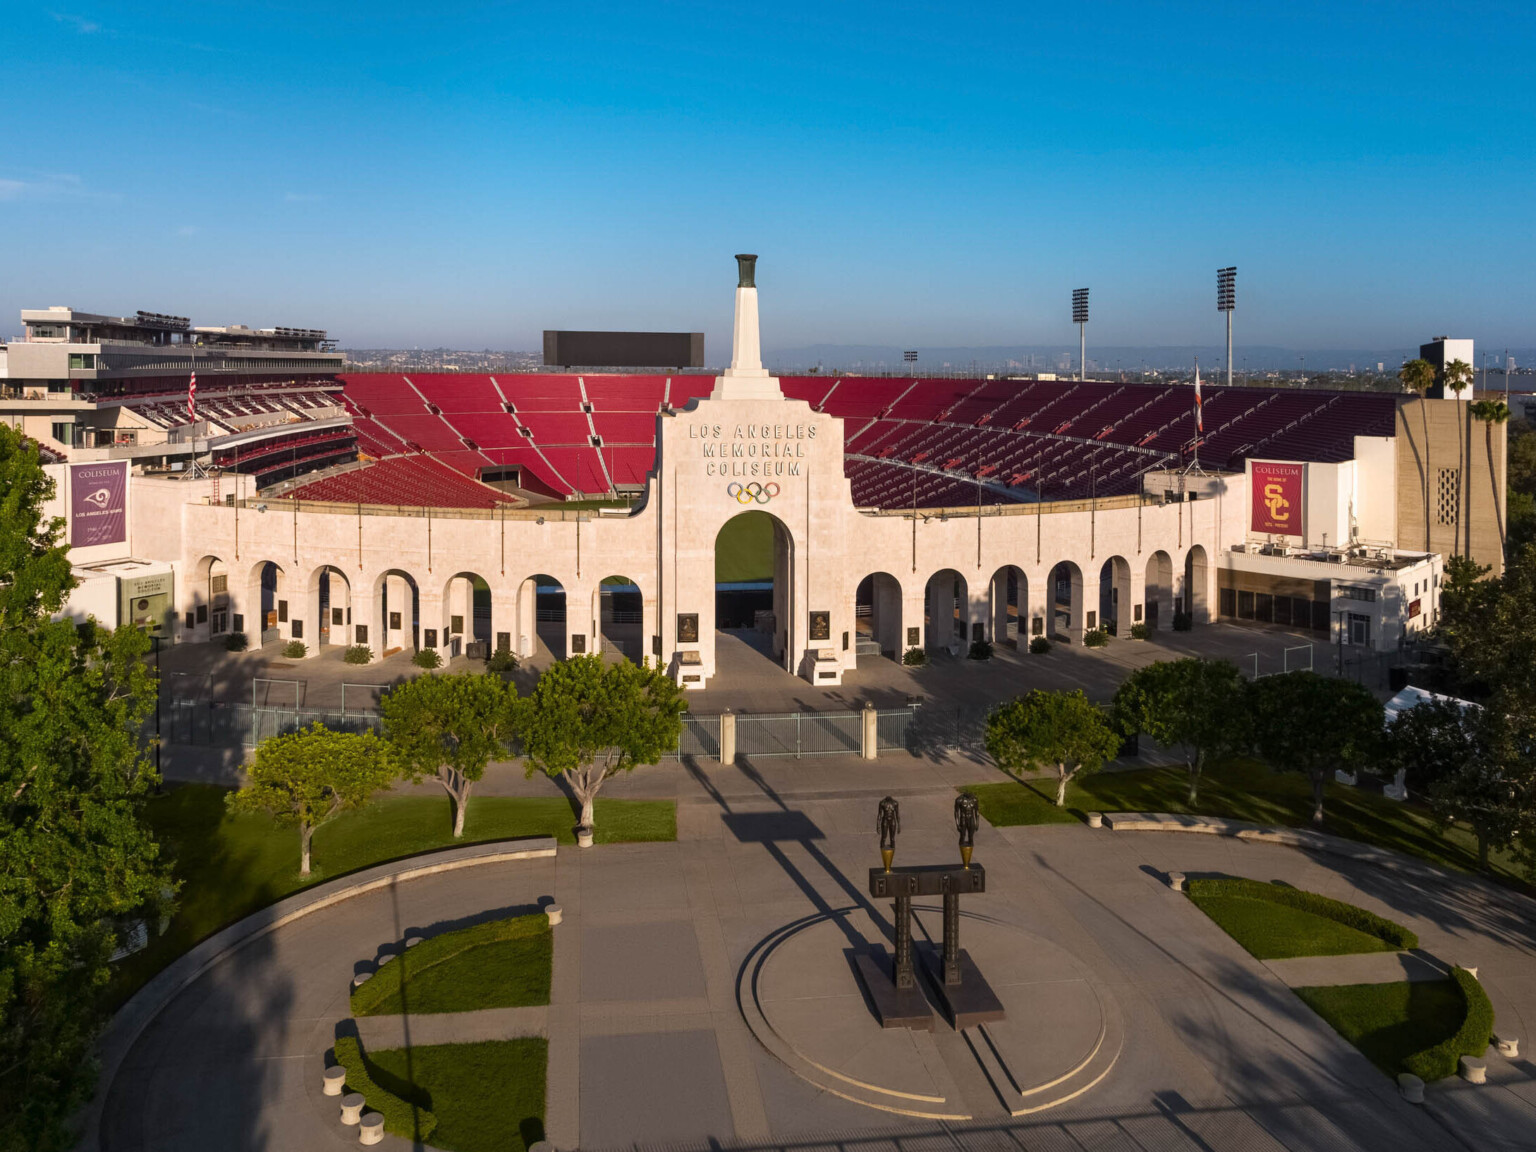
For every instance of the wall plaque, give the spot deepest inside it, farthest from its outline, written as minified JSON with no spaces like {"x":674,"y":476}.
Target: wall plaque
{"x":359,"y":633}
{"x":456,"y":625}
{"x":912,"y":634}
{"x":578,"y":643}
{"x":821,"y":625}
{"x":394,"y":621}
{"x":431,"y":640}
{"x":687,"y":627}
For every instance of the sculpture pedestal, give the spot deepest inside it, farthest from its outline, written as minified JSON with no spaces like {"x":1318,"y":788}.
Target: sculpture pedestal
{"x":971,"y":1001}
{"x":896,"y":1007}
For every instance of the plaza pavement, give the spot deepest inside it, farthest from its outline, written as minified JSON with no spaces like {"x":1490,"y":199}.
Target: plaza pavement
{"x":648,"y":1046}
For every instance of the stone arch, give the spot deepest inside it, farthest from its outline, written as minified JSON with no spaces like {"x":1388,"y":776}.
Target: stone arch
{"x":1196,"y":581}
{"x":1066,"y":611}
{"x":947,"y":602}
{"x":618,"y":618}
{"x":208,"y":600}
{"x":266,"y":614}
{"x":758,"y":541}
{"x":1010,"y":606}
{"x":542,"y":617}
{"x":1115,"y":596}
{"x":397,"y":613}
{"x":1159,"y":590}
{"x":461,"y":616}
{"x":328,"y":606}
{"x":877,"y":616}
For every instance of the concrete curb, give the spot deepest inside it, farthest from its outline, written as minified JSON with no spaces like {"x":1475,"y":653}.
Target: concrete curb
{"x":1302,"y":838}
{"x":149,"y":1001}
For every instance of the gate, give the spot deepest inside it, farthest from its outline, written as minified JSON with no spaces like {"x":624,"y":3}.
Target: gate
{"x":798,"y":734}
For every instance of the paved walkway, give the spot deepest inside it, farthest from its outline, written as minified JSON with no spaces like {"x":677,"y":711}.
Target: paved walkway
{"x":648,"y":1047}
{"x":451,"y":1027}
{"x":1363,"y":968}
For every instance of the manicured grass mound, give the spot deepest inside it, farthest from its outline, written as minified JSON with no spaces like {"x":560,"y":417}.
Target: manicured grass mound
{"x":1247,"y":790}
{"x":409,"y":1119}
{"x":229,"y":866}
{"x":1470,"y":1038}
{"x":1274,"y":922}
{"x":1398,"y":1025}
{"x":499,"y":964}
{"x":487,"y":1096}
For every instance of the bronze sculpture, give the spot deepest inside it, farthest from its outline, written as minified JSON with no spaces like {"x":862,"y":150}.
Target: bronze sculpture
{"x":967,"y":820}
{"x":888,"y":823}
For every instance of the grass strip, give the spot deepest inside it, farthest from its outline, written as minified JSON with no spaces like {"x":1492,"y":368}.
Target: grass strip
{"x":408,"y":1119}
{"x":486,"y":1096}
{"x":1230,"y":894}
{"x":499,"y":964}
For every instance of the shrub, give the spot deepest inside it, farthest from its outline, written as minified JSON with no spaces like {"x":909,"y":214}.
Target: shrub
{"x":501,"y":660}
{"x":1039,"y":645}
{"x":1095,"y":638}
{"x":914,"y":657}
{"x":401,"y":1118}
{"x":1471,"y":1039}
{"x":1140,"y":631}
{"x":1347,"y":914}
{"x":237,"y":641}
{"x":981,"y":650}
{"x":427,"y":658}
{"x":295,"y":649}
{"x":358,"y":654}
{"x":1181,"y":621}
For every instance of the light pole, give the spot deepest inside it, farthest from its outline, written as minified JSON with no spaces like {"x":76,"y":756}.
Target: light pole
{"x":1080,"y":318}
{"x":1226,"y":301}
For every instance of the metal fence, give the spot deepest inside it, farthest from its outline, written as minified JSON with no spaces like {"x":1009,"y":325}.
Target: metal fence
{"x":205,"y":723}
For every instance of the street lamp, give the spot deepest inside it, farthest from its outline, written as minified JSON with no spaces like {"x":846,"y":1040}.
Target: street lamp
{"x":1080,"y":318}
{"x":1226,"y":301}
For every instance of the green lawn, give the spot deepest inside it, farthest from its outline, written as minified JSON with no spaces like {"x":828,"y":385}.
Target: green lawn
{"x":1271,"y":931}
{"x":488,"y":1097}
{"x":229,"y":866}
{"x":744,"y":549}
{"x":1390,"y":1022}
{"x":499,"y":964}
{"x":1247,"y":790}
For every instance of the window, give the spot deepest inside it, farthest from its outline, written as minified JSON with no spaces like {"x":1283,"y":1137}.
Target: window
{"x":1227,"y":601}
{"x":336,"y":617}
{"x":239,"y":622}
{"x":64,"y":432}
{"x":1448,"y":492}
{"x":1245,"y":605}
{"x":218,"y":584}
{"x":1283,"y":610}
{"x":282,"y":611}
{"x":1264,"y":608}
{"x":202,"y":613}
{"x":1356,"y":592}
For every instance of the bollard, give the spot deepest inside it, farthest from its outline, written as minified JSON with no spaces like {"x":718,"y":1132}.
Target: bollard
{"x":1473,"y":1070}
{"x":370,"y":1128}
{"x":1095,"y":819}
{"x":583,"y":837}
{"x":1176,"y":881}
{"x":555,"y":913}
{"x":335,"y":1078}
{"x":352,"y":1107}
{"x":1411,"y":1087}
{"x":727,"y":737}
{"x":870,"y":746}
{"x":361,"y":978}
{"x":1508,"y":1046}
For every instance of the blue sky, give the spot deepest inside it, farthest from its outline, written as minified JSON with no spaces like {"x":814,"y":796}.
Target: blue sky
{"x":469,"y":174}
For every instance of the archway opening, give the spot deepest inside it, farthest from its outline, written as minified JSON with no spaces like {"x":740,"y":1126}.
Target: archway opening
{"x":464,"y":617}
{"x":208,"y":612}
{"x":398,"y":614}
{"x":542,"y":610}
{"x":1115,"y":596}
{"x":620,"y":616}
{"x":753,"y":554}
{"x":877,"y":616}
{"x":1010,"y":606}
{"x":268,"y":595}
{"x":945,"y":602}
{"x":1159,"y":593}
{"x":1066,"y":593}
{"x":330,"y":606}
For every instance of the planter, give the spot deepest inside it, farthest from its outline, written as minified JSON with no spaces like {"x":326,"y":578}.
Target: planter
{"x":583,"y":837}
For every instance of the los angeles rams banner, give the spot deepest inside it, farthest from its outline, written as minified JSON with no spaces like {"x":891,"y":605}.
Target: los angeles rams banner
{"x":1277,"y":498}
{"x":98,"y":504}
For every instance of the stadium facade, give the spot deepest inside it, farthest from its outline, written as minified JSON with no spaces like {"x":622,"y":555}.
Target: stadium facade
{"x":905,"y":513}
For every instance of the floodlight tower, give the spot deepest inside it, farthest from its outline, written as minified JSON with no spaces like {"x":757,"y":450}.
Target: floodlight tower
{"x":1226,"y":301}
{"x":1080,"y":318}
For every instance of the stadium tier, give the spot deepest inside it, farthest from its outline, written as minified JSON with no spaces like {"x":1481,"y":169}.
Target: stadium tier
{"x":928,"y":443}
{"x":416,"y":481}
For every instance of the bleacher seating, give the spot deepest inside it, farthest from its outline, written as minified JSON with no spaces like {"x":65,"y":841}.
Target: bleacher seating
{"x":416,"y":481}
{"x":1060,"y":438}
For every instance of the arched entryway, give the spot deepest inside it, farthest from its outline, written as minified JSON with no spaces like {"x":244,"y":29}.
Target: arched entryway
{"x":208,"y":606}
{"x":1195,"y":576}
{"x":754,"y":558}
{"x":1115,"y":596}
{"x":1066,"y":601}
{"x":946,"y":600}
{"x":396,"y":625}
{"x":619,"y":611}
{"x":1159,"y":590}
{"x":465,"y":615}
{"x":329,"y":606}
{"x":267,"y":609}
{"x":541,"y":614}
{"x":877,"y":616}
{"x":1010,"y":606}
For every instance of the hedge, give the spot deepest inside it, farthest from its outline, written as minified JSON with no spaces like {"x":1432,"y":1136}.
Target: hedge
{"x":1346,"y":914}
{"x":401,"y":1118}
{"x":1471,"y":1039}
{"x":385,"y":983}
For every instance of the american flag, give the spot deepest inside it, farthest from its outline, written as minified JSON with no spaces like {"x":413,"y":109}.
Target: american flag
{"x":192,"y":399}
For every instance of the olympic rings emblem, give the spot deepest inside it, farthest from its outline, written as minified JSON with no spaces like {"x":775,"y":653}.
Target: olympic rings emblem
{"x":753,"y":493}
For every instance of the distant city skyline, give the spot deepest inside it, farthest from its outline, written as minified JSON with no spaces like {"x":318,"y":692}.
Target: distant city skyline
{"x":912,"y":177}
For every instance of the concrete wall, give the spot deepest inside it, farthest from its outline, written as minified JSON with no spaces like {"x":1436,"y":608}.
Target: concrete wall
{"x":1450,"y":481}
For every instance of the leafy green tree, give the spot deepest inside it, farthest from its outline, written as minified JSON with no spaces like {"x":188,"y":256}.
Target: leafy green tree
{"x":1417,"y":376}
{"x":1303,"y":722}
{"x":587,"y":720}
{"x":1491,"y":785}
{"x":306,"y":777}
{"x":450,"y":728}
{"x":1200,"y":704}
{"x":1425,"y":743}
{"x":1059,"y":731}
{"x":1490,"y":625}
{"x":76,"y":858}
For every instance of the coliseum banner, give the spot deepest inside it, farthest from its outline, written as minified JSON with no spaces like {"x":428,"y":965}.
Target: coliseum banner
{"x":1277,"y":498}
{"x":98,"y":504}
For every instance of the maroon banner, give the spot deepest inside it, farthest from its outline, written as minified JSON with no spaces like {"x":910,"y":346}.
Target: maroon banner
{"x":1277,"y":497}
{"x":98,"y":504}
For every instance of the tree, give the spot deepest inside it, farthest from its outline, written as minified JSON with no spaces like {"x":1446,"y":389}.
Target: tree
{"x":1417,"y":376}
{"x":1489,"y":786}
{"x":1201,"y":704}
{"x":1308,"y":723}
{"x":1458,"y":374}
{"x":1425,"y":743}
{"x":1490,"y":626}
{"x":76,"y":858}
{"x":1060,"y":731}
{"x":587,"y":720}
{"x":307,"y":777}
{"x":450,"y":728}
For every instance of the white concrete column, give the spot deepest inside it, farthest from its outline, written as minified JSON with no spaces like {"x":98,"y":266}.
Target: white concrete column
{"x":913,"y":602}
{"x":525,"y":639}
{"x":1136,"y":613}
{"x":365,"y":613}
{"x":870,"y":731}
{"x":727,"y":737}
{"x":395,"y":614}
{"x":1084,"y":604}
{"x":504,"y":618}
{"x":978,"y":610}
{"x":461,"y":603}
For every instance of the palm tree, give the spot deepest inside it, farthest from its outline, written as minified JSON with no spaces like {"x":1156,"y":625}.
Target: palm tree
{"x":1492,"y":412}
{"x":1417,"y":376}
{"x":1458,"y":374}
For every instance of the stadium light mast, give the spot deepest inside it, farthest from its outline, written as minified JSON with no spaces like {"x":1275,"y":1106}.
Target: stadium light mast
{"x":1080,"y":318}
{"x":1226,"y":301}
